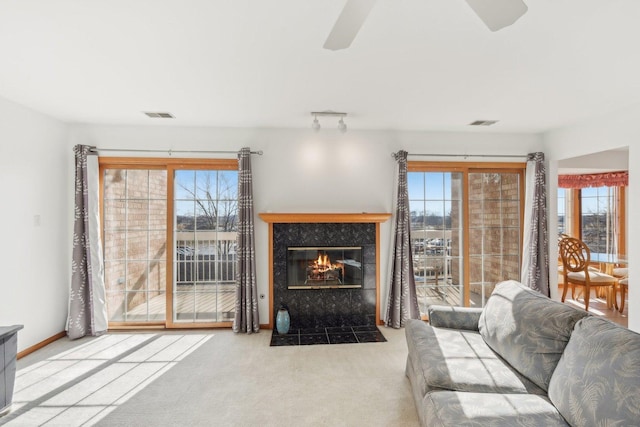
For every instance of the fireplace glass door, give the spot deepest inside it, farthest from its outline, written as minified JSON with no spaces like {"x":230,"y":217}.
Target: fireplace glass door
{"x":324,"y":267}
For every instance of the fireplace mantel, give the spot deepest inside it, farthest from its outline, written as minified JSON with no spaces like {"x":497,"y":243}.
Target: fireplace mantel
{"x":361,"y":218}
{"x":285,"y":218}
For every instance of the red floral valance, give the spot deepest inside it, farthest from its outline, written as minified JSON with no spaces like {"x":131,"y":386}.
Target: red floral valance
{"x":607,"y":179}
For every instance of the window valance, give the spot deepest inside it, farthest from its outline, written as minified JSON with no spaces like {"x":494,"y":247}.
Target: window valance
{"x":607,"y":179}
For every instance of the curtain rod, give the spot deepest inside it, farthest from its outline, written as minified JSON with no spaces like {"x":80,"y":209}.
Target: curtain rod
{"x":467,"y":155}
{"x":170,"y":151}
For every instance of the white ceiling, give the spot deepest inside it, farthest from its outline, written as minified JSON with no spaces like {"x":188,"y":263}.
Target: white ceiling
{"x":416,"y":64}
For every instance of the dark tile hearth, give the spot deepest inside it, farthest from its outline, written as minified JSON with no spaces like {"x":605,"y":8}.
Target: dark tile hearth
{"x":331,"y":335}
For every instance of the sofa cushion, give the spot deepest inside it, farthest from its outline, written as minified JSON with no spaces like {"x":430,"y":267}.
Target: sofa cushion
{"x":527,"y":329}
{"x":448,"y":408}
{"x":597,"y":381}
{"x":451,"y":359}
{"x":446,"y":316}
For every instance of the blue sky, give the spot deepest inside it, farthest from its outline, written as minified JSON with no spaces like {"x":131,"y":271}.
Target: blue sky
{"x":223,"y":185}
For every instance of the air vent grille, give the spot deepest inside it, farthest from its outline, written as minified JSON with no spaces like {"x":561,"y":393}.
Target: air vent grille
{"x":483,"y":123}
{"x":159,"y":115}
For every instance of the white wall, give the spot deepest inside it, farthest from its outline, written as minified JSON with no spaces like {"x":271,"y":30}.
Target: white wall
{"x":302,"y":171}
{"x":610,"y":160}
{"x":34,"y":189}
{"x":604,"y":133}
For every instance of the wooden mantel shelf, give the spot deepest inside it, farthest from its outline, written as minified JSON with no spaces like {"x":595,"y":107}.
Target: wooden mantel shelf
{"x":283,"y":218}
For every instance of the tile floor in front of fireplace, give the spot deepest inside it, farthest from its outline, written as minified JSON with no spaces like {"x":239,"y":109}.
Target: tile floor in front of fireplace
{"x":329,"y":335}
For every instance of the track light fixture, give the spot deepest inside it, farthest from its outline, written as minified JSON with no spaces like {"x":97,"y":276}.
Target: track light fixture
{"x":342,"y":126}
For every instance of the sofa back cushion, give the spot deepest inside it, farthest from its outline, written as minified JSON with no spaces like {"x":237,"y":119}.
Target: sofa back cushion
{"x":527,"y":329}
{"x":597,"y":381}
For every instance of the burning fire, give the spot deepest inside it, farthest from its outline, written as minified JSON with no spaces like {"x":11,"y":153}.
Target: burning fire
{"x":322,"y":269}
{"x":323,"y":262}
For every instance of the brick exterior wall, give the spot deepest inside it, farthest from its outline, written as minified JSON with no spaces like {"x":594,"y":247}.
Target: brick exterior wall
{"x":494,"y":222}
{"x":135,"y":228}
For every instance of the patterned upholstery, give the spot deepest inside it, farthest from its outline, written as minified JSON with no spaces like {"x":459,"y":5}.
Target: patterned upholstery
{"x":534,"y":362}
{"x":527,"y":329}
{"x":597,"y":381}
{"x":445,"y":316}
{"x":451,"y":359}
{"x":449,"y":408}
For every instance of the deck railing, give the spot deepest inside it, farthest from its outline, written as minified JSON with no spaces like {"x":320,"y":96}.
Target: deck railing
{"x":210,"y":261}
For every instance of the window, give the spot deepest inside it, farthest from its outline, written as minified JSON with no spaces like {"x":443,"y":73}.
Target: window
{"x":598,"y":219}
{"x":169,"y":228}
{"x":562,"y":211}
{"x":596,"y":215}
{"x":466,"y":232}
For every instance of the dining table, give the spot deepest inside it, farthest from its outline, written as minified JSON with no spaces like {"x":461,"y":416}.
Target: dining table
{"x":607,"y":262}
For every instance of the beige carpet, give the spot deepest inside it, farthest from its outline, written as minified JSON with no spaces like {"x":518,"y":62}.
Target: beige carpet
{"x":212,"y":378}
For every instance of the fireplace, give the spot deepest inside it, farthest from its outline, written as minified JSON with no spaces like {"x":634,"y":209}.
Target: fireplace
{"x":337,"y":267}
{"x":349,"y":295}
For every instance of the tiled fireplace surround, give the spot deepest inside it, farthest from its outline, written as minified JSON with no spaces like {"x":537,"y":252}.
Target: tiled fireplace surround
{"x":318,"y":308}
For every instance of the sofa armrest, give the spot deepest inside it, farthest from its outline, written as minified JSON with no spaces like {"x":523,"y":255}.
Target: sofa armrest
{"x":445,"y":316}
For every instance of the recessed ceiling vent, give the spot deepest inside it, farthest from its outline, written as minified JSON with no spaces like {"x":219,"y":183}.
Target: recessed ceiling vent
{"x":157,"y":115}
{"x":483,"y":123}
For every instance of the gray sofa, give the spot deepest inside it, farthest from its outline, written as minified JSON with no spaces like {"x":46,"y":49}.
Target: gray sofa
{"x":523,"y":360}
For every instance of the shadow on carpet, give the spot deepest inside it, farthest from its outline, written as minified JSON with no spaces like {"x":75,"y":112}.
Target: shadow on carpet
{"x":331,"y":335}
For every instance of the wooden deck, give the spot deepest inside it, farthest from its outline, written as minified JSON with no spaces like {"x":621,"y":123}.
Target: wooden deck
{"x":443,"y":295}
{"x":206,"y":303}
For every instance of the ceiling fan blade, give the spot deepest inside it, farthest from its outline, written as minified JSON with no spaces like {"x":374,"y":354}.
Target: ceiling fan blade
{"x":349,"y":22}
{"x":497,"y":14}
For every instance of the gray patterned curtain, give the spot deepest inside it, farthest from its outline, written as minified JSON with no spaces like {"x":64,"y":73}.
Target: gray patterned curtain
{"x":246,"y":311}
{"x":535,"y":256}
{"x":87,"y":303}
{"x":402,"y":303}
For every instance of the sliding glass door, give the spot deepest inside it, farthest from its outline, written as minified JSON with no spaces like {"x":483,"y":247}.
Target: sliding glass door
{"x":466,"y":223}
{"x":169,"y":228}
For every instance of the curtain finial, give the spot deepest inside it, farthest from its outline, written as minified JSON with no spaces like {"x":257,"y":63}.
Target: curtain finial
{"x":537,"y":156}
{"x":400,"y":155}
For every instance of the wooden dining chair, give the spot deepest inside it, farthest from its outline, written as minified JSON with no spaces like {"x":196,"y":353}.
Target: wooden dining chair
{"x":624,"y":286}
{"x":576,"y":258}
{"x":620,"y":272}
